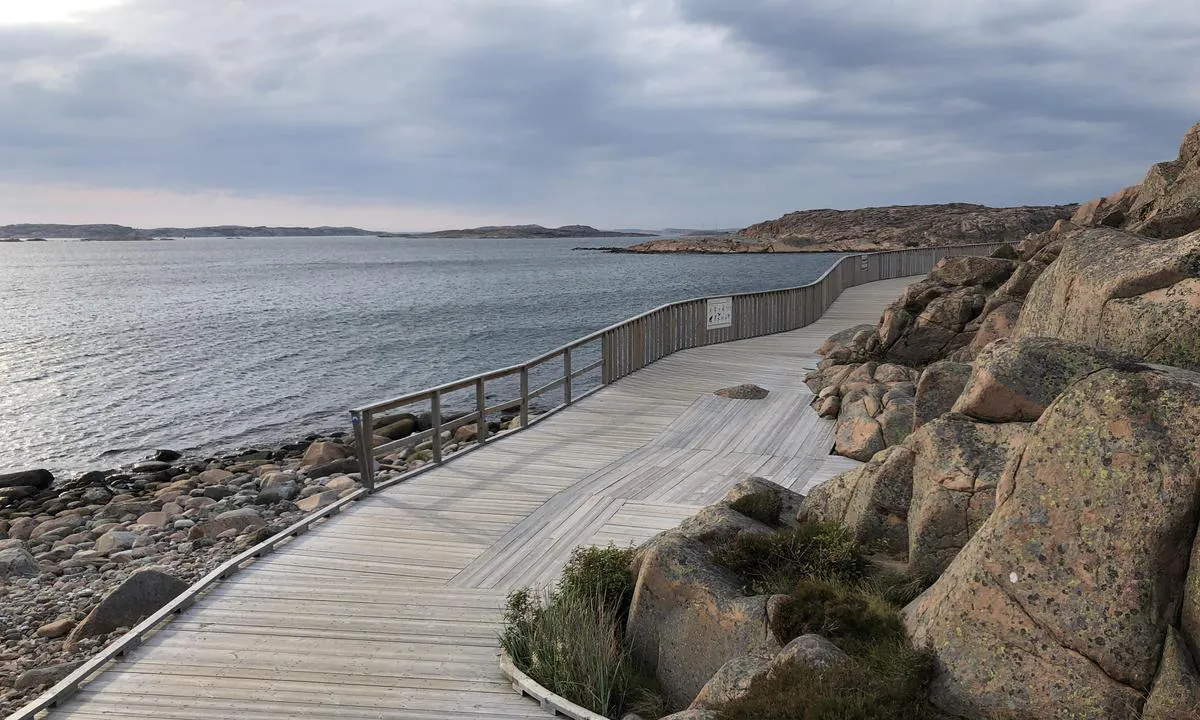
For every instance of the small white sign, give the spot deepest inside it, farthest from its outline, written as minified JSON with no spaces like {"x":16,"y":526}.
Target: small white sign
{"x":720,"y":313}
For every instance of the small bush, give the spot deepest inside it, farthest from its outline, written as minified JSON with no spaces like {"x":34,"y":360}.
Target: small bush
{"x":896,"y":588}
{"x":762,"y":506}
{"x":886,"y":681}
{"x":600,"y":572}
{"x":850,"y":617}
{"x":775,"y":563}
{"x":832,"y":590}
{"x":571,"y":645}
{"x":571,"y":640}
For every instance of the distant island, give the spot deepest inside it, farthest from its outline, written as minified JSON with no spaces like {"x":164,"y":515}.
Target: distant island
{"x":525,"y":231}
{"x":871,"y":229}
{"x":14,"y":233}
{"x":131,"y":238}
{"x":124,"y":232}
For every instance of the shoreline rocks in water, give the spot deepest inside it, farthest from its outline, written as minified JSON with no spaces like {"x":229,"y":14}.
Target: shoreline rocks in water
{"x":67,"y":545}
{"x":72,"y":543}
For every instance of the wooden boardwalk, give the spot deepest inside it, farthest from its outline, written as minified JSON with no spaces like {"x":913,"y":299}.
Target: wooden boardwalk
{"x":391,"y":609}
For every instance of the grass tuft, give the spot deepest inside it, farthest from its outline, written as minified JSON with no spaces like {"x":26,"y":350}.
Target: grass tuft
{"x":896,"y":588}
{"x":571,"y":639}
{"x":774,"y":563}
{"x":832,"y":590}
{"x":842,"y":613}
{"x":600,"y":572}
{"x":885,"y":681}
{"x":761,"y":506}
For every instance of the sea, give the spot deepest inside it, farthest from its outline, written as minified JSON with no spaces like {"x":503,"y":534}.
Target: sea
{"x":109,"y":350}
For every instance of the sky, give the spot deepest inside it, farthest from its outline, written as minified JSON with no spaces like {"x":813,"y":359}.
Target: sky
{"x":429,"y":114}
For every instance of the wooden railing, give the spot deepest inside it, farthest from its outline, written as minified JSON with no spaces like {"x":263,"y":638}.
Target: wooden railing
{"x":610,"y":354}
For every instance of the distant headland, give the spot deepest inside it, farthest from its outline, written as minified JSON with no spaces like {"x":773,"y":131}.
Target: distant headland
{"x":527,"y":231}
{"x":869,"y":229}
{"x":125,"y":232}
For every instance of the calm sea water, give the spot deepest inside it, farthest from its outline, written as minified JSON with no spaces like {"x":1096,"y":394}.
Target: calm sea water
{"x":108,"y":350}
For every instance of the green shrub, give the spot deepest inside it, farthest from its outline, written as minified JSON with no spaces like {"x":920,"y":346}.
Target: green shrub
{"x":572,"y":645}
{"x":521,"y":617}
{"x":600,"y":572}
{"x":885,"y":681}
{"x":832,"y":590}
{"x":775,"y":563}
{"x":762,"y":506}
{"x":570,"y":640}
{"x":896,"y":588}
{"x":847,"y":615}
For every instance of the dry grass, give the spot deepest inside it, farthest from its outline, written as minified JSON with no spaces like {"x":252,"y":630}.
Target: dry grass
{"x":775,"y":563}
{"x":570,"y":639}
{"x":762,"y":506}
{"x":832,"y":590}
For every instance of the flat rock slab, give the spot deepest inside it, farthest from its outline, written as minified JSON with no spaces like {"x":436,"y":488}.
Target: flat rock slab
{"x":43,"y":676}
{"x":142,"y":593}
{"x":743,"y":392}
{"x":39,"y":479}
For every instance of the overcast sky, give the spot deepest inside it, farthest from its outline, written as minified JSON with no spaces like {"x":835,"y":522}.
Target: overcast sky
{"x":424,"y":114}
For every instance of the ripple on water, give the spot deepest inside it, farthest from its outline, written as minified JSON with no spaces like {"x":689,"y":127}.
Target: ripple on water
{"x":113,"y":349}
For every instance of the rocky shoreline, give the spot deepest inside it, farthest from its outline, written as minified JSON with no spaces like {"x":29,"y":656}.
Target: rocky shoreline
{"x":871,"y":230}
{"x":83,"y":559}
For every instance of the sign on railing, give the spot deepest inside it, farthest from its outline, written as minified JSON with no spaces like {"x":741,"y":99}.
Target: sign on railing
{"x":720,"y":313}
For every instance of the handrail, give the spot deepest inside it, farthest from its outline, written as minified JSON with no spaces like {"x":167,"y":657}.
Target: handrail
{"x":633,"y":343}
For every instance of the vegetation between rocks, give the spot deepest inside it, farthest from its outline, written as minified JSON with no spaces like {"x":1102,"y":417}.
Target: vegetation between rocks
{"x":761,"y":506}
{"x":884,"y":680}
{"x":832,"y":590}
{"x":571,"y":640}
{"x":774,"y":563}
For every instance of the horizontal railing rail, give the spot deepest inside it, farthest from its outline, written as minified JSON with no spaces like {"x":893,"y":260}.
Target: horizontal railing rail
{"x":623,"y":348}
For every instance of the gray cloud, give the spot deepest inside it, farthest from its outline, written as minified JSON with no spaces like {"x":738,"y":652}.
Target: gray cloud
{"x":637,"y":111}
{"x":1007,"y":78}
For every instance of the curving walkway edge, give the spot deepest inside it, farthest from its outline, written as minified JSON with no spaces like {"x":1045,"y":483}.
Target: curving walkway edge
{"x":392,"y":608}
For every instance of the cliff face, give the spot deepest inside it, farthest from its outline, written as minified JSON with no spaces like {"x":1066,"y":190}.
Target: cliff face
{"x":893,"y":228}
{"x":1066,"y":542}
{"x":877,"y":228}
{"x":1165,"y":205}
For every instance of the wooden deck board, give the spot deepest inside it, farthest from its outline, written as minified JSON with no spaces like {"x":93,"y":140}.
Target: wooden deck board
{"x":391,"y":609}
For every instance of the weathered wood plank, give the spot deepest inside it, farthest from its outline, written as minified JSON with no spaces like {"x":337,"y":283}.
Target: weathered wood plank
{"x":392,"y":608}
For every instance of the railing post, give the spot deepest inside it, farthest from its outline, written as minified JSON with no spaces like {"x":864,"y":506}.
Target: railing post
{"x":524,"y":396}
{"x":481,"y":425}
{"x":364,"y":436}
{"x":605,"y":359}
{"x":639,"y":345}
{"x":435,"y":422}
{"x":567,"y":376}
